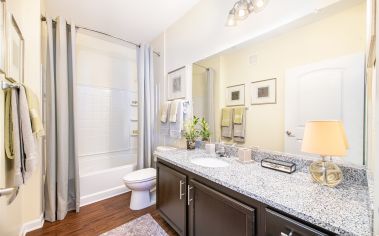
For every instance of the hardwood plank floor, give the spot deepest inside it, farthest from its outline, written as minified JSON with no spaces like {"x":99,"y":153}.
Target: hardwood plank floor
{"x":100,"y":217}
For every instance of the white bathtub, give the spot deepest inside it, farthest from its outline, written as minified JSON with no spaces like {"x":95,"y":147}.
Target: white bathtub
{"x":101,"y":175}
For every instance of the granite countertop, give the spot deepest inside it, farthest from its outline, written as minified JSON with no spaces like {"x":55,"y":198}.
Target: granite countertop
{"x":344,"y":210}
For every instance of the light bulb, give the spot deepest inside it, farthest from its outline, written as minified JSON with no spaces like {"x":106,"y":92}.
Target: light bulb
{"x":231,"y":21}
{"x":258,"y":5}
{"x":242,"y":10}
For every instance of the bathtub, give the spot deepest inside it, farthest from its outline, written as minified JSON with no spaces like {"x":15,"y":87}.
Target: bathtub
{"x":101,"y":175}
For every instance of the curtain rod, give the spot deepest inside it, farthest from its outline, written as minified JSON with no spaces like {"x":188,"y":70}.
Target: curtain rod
{"x":99,"y":32}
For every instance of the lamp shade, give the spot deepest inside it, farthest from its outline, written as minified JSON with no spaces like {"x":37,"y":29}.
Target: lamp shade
{"x":326,"y":138}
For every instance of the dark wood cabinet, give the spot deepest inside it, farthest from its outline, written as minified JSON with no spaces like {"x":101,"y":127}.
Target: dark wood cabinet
{"x":194,"y":205}
{"x":171,"y":197}
{"x":278,"y":224}
{"x":213,"y":213}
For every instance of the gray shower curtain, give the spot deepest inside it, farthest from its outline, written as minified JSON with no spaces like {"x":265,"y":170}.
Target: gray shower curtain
{"x":146,"y":108}
{"x":61,"y":163}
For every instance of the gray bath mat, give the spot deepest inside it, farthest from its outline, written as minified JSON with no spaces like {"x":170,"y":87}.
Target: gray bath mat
{"x":142,"y":226}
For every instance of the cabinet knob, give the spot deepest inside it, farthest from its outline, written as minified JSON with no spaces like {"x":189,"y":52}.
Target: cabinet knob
{"x":181,"y":194}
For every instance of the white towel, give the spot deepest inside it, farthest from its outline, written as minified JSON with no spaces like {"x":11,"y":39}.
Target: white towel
{"x":165,"y":126}
{"x":28,"y":141}
{"x":165,"y":111}
{"x":176,"y":127}
{"x":17,"y":175}
{"x":174,"y":109}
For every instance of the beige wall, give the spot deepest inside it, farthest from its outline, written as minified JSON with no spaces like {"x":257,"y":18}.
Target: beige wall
{"x":340,"y":34}
{"x":28,"y":205}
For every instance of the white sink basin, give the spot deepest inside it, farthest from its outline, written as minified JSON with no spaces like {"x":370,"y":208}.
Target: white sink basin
{"x":209,"y":162}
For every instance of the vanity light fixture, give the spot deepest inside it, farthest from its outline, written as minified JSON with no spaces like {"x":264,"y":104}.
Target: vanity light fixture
{"x":325,"y":138}
{"x":242,"y":9}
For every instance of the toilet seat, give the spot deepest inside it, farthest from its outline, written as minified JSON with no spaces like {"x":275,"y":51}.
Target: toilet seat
{"x":139,"y":176}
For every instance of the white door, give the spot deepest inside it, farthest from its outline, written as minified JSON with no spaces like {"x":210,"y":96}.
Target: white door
{"x":328,"y":90}
{"x":10,"y":215}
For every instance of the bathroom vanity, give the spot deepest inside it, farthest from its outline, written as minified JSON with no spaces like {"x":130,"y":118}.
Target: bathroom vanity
{"x":246,"y":199}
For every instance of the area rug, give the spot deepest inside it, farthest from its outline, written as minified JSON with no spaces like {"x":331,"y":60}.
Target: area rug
{"x":142,"y":226}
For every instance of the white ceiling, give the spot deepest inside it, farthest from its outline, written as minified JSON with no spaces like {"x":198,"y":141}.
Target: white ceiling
{"x":139,"y":21}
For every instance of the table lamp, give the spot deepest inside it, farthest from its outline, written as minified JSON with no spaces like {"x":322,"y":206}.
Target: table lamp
{"x":326,"y":138}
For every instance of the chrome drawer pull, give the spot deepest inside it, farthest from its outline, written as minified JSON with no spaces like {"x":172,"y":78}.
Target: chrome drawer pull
{"x":181,"y":194}
{"x":188,"y":195}
{"x":284,"y":234}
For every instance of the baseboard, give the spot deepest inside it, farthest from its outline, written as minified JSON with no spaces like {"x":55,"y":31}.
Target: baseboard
{"x":95,"y":197}
{"x":32,"y":225}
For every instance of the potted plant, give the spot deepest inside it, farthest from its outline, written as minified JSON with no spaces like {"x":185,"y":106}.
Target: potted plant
{"x":204,"y":130}
{"x":191,"y":133}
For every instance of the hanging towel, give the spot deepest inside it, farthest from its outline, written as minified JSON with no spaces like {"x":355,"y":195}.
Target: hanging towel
{"x":186,"y":111}
{"x":34,"y":111}
{"x":239,"y":129}
{"x":226,"y":117}
{"x":226,"y":123}
{"x":238,"y":115}
{"x":177,"y":126}
{"x":28,"y":141}
{"x":17,"y":177}
{"x":165,"y":111}
{"x":174,"y":110}
{"x":8,"y":126}
{"x":165,"y":126}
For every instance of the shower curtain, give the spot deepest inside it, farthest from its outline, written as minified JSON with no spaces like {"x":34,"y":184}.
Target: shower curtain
{"x":61,"y":164}
{"x":146,"y":108}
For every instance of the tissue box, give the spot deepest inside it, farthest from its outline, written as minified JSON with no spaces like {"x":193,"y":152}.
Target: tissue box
{"x":244,"y":155}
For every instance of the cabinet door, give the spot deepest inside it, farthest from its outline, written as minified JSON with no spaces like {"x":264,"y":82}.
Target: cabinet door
{"x":278,"y":224}
{"x":171,"y":197}
{"x":213,"y":213}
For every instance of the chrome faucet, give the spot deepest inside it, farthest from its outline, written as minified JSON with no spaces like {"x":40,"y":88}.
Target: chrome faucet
{"x":221,"y":152}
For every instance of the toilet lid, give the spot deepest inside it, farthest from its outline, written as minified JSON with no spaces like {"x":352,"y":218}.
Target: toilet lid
{"x":141,"y":175}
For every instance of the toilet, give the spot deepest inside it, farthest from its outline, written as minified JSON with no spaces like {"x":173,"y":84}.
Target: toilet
{"x":142,"y":183}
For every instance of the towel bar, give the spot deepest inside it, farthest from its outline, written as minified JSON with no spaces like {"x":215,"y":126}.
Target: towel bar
{"x":9,"y":191}
{"x":5,"y":85}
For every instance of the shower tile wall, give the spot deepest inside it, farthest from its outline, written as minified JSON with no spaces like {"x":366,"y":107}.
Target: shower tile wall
{"x":106,"y":120}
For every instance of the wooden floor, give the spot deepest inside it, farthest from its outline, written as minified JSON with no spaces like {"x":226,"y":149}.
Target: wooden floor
{"x":98,"y":218}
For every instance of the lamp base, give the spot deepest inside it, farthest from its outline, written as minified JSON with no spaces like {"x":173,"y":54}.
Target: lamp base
{"x":326,"y":173}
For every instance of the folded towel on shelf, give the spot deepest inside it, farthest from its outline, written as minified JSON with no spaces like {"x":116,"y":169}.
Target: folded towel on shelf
{"x":226,"y":123}
{"x":226,"y":116}
{"x":176,"y":127}
{"x":34,"y":111}
{"x":28,"y":142}
{"x":239,"y":129}
{"x":165,"y":111}
{"x":238,"y":115}
{"x":174,"y":109}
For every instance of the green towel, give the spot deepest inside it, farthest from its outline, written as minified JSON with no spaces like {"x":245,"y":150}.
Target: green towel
{"x":8,"y":126}
{"x":33,"y":104}
{"x":226,"y":117}
{"x":238,"y":115}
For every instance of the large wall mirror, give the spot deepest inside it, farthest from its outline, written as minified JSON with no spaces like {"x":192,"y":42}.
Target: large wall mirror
{"x":312,"y":69}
